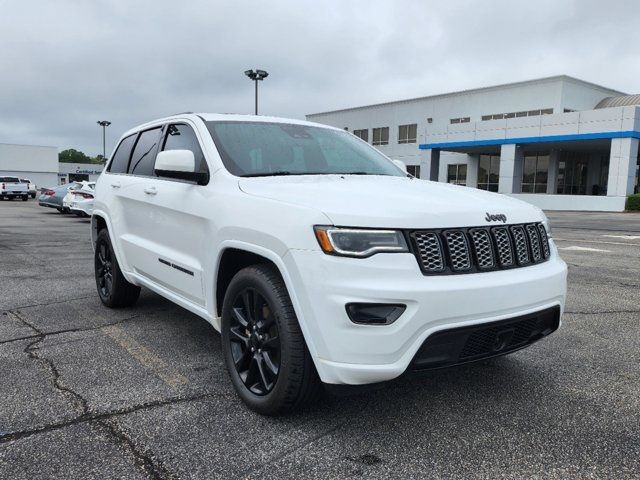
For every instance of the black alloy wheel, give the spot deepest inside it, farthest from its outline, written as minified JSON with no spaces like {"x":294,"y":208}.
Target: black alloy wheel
{"x":264,"y":350}
{"x":255,"y":343}
{"x":104,"y":269}
{"x":114,"y":290}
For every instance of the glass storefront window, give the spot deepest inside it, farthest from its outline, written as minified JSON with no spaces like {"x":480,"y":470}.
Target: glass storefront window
{"x":457,"y":174}
{"x":489,"y":172}
{"x":535,"y":172}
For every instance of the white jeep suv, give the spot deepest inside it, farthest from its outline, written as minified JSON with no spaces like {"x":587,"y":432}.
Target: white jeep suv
{"x":316,"y":257}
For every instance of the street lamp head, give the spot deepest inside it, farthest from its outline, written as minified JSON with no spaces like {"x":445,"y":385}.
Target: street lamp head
{"x":104,"y":123}
{"x":257,"y":74}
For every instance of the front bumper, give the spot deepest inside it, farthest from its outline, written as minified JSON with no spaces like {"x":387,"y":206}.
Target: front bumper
{"x":348,"y":353}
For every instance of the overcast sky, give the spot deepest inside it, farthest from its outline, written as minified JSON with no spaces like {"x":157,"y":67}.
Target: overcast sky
{"x":66,"y":64}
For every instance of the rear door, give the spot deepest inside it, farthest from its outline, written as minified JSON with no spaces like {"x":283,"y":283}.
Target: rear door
{"x":131,"y":190}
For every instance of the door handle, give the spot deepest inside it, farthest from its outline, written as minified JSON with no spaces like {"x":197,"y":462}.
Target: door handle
{"x":150,"y":190}
{"x":115,"y":184}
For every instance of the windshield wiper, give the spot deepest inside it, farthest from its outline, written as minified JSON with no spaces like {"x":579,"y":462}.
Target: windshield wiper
{"x":277,"y":173}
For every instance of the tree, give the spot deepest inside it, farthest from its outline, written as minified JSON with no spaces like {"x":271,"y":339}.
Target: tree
{"x":72,"y":155}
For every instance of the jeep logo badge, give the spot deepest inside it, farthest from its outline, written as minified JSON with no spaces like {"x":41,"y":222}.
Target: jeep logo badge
{"x":496,"y":218}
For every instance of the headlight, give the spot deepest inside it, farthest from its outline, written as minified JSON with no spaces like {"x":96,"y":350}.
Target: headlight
{"x":547,"y":226}
{"x":352,"y":242}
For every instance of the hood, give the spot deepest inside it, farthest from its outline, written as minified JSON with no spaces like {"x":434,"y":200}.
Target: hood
{"x":391,"y":202}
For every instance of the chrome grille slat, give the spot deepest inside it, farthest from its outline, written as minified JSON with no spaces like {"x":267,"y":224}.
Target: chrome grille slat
{"x":505,"y":249}
{"x":544,"y":240}
{"x":534,"y":242}
{"x":480,"y":249}
{"x":520,"y":243}
{"x":430,"y":251}
{"x":458,"y":248}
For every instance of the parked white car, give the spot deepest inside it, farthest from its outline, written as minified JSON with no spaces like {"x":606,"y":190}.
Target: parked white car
{"x":316,"y":257}
{"x":79,"y":199}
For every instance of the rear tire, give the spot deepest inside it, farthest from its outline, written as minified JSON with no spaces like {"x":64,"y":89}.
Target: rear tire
{"x":25,"y":198}
{"x":33,"y":195}
{"x":277,"y":375}
{"x":113,"y":288}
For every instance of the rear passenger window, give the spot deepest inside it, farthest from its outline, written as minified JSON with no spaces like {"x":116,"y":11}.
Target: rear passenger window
{"x":182,"y":137}
{"x":120,"y":160}
{"x":144,"y":153}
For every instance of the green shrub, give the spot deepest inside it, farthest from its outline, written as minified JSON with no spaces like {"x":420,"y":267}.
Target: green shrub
{"x":633,"y":202}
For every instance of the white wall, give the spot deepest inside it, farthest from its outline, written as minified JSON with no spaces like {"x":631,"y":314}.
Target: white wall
{"x":28,"y":158}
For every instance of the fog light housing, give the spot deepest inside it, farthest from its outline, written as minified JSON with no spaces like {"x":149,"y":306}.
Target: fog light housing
{"x":374,"y":313}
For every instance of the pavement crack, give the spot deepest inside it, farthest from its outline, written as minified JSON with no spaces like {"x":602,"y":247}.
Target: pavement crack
{"x":32,"y":351}
{"x":91,"y":417}
{"x":17,"y":314}
{"x":52,"y":303}
{"x":143,"y":458}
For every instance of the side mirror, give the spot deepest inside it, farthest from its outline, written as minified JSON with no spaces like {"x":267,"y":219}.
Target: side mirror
{"x":179,"y":164}
{"x":400,"y":164}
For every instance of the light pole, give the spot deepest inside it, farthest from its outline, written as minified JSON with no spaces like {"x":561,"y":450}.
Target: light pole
{"x":256,"y":76}
{"x":104,"y":124}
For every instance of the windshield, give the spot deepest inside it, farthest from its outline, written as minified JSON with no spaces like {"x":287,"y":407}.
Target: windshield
{"x":252,"y":149}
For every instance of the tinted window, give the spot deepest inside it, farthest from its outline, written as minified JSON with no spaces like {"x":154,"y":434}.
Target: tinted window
{"x":121,"y":157}
{"x":260,"y":148}
{"x":182,"y":137}
{"x":144,"y":153}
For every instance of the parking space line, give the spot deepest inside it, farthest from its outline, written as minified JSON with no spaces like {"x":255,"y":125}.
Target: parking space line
{"x":143,"y":355}
{"x":624,"y":237}
{"x":576,"y":248}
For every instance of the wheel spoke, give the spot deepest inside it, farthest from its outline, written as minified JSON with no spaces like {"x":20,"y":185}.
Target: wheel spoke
{"x":273,"y":368}
{"x":237,"y":336}
{"x":247,"y":300}
{"x":252,"y":372}
{"x":239,"y":317}
{"x":271,"y":342}
{"x":241,"y":362}
{"x":263,"y":375}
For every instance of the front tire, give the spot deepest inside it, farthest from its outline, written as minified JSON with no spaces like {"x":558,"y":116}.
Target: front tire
{"x":263,"y":346}
{"x":113,"y":288}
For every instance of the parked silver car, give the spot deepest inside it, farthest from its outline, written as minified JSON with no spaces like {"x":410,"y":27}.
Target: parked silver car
{"x":52,"y":197}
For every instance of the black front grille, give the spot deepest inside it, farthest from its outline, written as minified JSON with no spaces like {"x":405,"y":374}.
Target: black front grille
{"x":468,"y":344}
{"x":480,"y":249}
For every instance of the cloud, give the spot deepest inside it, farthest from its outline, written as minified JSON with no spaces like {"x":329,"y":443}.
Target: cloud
{"x":67,"y":64}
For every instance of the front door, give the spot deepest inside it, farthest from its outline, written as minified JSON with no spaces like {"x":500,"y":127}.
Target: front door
{"x":172,"y":234}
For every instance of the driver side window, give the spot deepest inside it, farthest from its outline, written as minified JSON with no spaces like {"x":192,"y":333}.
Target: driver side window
{"x":182,"y":137}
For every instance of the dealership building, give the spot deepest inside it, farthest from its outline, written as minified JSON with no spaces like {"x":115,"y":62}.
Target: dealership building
{"x":559,"y":142}
{"x":40,"y":165}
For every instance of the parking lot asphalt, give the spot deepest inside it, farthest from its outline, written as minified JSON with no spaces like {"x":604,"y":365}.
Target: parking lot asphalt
{"x":142,"y":392}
